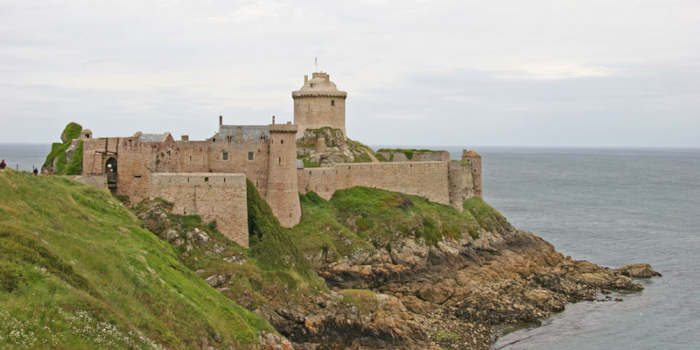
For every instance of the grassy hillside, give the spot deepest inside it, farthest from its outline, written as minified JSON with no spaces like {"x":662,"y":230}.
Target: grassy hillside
{"x":365,"y":218}
{"x":77,"y":271}
{"x":272,"y":272}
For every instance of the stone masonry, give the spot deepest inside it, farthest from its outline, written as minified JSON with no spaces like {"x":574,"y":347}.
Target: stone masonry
{"x":207,"y":177}
{"x":319,"y":104}
{"x":213,"y":196}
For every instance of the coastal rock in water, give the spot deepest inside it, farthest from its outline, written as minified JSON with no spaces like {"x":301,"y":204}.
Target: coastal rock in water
{"x":638,"y":271}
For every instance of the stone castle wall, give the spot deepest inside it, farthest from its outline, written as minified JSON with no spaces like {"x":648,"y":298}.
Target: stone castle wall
{"x":213,"y":196}
{"x":208,"y":177}
{"x":432,"y":156}
{"x":269,"y":163}
{"x":427,"y":179}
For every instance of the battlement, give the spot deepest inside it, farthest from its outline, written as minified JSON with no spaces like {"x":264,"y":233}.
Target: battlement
{"x":320,"y":85}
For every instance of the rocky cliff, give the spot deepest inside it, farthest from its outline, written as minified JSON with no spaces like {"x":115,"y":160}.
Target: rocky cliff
{"x":395,"y":271}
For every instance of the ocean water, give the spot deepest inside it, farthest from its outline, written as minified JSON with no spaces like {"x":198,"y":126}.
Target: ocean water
{"x":610,"y":206}
{"x":23,"y":156}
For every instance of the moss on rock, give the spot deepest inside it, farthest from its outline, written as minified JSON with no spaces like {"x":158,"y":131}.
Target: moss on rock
{"x":57,"y":161}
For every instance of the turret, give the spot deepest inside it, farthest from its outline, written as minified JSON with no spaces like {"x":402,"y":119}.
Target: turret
{"x":319,"y":104}
{"x":282,"y":191}
{"x":475,"y":160}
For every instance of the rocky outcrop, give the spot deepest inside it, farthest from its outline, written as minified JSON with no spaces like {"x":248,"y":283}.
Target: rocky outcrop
{"x":327,"y":146}
{"x":454,"y":294}
{"x":638,"y":271}
{"x":465,"y":290}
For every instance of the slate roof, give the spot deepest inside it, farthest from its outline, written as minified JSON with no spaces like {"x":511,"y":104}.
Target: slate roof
{"x":153,"y":137}
{"x":243,"y":132}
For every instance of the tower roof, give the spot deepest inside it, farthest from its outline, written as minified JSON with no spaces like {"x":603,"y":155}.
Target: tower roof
{"x":320,"y":84}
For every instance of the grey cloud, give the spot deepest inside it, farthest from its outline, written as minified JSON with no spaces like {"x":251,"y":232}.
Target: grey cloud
{"x":417,"y":72}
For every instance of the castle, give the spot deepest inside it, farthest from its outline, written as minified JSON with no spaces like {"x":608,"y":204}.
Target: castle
{"x":208,"y":177}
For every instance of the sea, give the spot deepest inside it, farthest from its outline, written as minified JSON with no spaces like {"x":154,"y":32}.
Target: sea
{"x":611,"y":206}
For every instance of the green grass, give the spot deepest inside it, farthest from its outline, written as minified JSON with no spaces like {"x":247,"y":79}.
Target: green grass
{"x":360,"y":151}
{"x":310,"y":164}
{"x":58,"y":152}
{"x":71,"y":131}
{"x":271,"y":273}
{"x":77,"y":271}
{"x":408,"y":152}
{"x":362,"y":218}
{"x":75,"y":166}
{"x":488,"y":217}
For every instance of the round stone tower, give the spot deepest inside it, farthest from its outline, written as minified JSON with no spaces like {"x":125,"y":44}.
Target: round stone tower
{"x":319,"y":104}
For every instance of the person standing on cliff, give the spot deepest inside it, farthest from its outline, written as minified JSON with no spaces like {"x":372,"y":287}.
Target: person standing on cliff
{"x":3,"y":164}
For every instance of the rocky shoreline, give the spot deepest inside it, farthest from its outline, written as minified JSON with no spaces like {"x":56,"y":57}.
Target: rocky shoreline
{"x":461,"y":292}
{"x":456,"y":294}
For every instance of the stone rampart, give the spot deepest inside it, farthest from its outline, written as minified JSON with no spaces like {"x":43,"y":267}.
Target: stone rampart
{"x":416,"y":155}
{"x":427,"y":179}
{"x":213,"y":196}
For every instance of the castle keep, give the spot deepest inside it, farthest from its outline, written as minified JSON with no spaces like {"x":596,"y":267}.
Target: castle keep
{"x":207,"y":177}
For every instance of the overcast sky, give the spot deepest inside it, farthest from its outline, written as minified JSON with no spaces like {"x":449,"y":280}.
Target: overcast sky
{"x":526,"y":73}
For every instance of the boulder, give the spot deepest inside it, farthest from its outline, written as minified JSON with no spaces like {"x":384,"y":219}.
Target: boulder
{"x":638,"y":271}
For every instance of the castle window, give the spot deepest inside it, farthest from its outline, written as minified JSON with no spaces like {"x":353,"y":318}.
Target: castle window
{"x":251,"y":155}
{"x":206,"y":179}
{"x":281,"y":141}
{"x":224,"y":155}
{"x":332,"y":102}
{"x":280,"y":160}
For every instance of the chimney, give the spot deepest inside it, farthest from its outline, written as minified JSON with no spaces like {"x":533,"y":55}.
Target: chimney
{"x":221,"y":120}
{"x":306,"y":79}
